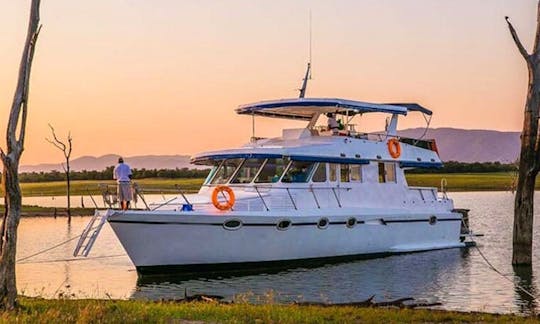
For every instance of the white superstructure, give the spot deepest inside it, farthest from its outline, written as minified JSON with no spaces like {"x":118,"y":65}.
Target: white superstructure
{"x":308,"y":195}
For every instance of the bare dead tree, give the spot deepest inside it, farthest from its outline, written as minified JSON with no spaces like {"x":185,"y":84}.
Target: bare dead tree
{"x":66,"y":150}
{"x":529,"y":160}
{"x":15,"y":135}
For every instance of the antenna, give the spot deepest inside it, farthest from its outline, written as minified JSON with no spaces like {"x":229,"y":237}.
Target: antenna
{"x":308,"y":70}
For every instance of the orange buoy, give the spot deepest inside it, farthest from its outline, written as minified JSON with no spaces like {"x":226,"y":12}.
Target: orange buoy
{"x":394,"y":148}
{"x":229,"y":203}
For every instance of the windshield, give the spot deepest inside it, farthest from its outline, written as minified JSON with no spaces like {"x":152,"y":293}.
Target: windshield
{"x":299,"y":171}
{"x":247,"y":171}
{"x":225,"y":171}
{"x":272,"y":170}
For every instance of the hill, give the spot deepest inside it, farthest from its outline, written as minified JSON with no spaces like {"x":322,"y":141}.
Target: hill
{"x":102,"y":162}
{"x":454,"y":144}
{"x":466,"y":145}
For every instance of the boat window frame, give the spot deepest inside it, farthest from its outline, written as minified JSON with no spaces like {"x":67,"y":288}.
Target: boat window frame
{"x":285,"y":169}
{"x":210,"y":176}
{"x":237,"y":171}
{"x":231,"y":176}
{"x":360,"y":173}
{"x":308,"y":176}
{"x":315,"y":171}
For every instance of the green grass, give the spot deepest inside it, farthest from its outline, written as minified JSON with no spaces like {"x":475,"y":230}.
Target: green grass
{"x":496,"y":181}
{"x":83,"y":187}
{"x":456,"y":182}
{"x":112,"y":311}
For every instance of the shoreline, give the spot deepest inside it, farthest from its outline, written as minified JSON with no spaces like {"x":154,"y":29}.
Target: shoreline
{"x":35,"y":309}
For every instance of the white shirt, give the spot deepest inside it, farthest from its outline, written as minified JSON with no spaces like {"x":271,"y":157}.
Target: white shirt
{"x":122,"y":172}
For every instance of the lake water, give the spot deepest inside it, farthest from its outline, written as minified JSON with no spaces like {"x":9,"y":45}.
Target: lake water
{"x":457,"y":278}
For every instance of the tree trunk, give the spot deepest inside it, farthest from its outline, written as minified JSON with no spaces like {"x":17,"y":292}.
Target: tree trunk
{"x":8,"y":288}
{"x":68,"y":181}
{"x":529,"y":159}
{"x":15,"y":134}
{"x":523,"y":220}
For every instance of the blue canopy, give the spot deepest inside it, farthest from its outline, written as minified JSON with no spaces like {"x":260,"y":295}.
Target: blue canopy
{"x":306,"y":108}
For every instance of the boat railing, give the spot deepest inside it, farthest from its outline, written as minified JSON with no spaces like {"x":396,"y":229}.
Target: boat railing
{"x":289,"y":200}
{"x":426,"y":193}
{"x":270,"y":202}
{"x":110,"y":195}
{"x":350,"y":131}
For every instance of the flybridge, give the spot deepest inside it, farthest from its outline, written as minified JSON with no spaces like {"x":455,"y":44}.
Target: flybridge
{"x":307,"y":108}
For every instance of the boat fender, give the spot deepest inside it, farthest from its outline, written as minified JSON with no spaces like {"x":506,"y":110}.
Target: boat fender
{"x":229,"y":203}
{"x":394,"y":148}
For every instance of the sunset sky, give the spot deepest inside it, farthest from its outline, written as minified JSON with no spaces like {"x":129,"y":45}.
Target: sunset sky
{"x":136,"y":77}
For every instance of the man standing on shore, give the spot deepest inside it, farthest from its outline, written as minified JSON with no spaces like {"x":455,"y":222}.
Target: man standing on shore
{"x":122,"y":175}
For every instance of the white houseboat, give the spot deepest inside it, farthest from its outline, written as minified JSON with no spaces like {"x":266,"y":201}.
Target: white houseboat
{"x":311,"y":194}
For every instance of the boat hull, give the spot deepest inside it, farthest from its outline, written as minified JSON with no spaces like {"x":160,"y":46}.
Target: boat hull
{"x":204,"y":243}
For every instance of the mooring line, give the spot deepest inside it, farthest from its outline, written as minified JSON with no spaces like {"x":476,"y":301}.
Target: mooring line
{"x":52,"y":247}
{"x":74,"y":259}
{"x":492,"y":267}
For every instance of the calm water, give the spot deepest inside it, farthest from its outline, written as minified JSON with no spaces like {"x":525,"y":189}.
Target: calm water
{"x":459,"y":279}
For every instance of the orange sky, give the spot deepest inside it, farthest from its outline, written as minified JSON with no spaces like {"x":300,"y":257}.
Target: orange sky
{"x":163,"y":77}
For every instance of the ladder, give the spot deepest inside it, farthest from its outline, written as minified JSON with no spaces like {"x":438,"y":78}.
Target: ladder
{"x":86,"y":241}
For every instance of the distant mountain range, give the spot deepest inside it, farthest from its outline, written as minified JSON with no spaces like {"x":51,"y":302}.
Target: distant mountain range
{"x":454,"y":145}
{"x":466,"y":145}
{"x":102,"y":162}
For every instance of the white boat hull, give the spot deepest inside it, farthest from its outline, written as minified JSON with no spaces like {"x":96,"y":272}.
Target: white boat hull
{"x":193,"y":242}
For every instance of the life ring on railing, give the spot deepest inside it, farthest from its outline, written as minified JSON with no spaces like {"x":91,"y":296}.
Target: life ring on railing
{"x":394,"y":148}
{"x":229,"y":202}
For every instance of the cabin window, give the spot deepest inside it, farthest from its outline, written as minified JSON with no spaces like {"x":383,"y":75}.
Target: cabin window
{"x":387,"y":172}
{"x":390,"y":169}
{"x":212,"y":172}
{"x":298,"y":171}
{"x":226,"y":170}
{"x":344,"y":172}
{"x":332,"y":171}
{"x":355,"y":171}
{"x":272,"y":170}
{"x":247,"y":171}
{"x":320,"y":173}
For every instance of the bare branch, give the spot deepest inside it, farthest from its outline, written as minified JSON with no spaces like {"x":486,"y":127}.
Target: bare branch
{"x":55,"y":144}
{"x":515,"y":36}
{"x":58,"y":143}
{"x":15,"y":144}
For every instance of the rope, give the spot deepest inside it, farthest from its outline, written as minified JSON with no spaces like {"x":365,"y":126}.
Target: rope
{"x":49,"y":249}
{"x":74,"y":259}
{"x":492,"y":267}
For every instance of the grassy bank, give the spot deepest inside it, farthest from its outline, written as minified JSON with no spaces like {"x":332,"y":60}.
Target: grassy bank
{"x":84,"y":187}
{"x":496,"y":181}
{"x":110,"y":311}
{"x":456,"y":182}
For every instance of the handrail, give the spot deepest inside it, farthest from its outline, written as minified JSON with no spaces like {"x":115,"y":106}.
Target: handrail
{"x":260,"y":196}
{"x":247,"y":188}
{"x":292,"y":200}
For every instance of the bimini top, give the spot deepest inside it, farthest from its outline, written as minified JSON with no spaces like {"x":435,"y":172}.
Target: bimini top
{"x":306,"y":108}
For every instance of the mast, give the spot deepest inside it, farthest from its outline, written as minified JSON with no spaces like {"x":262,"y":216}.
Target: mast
{"x":308,"y":70}
{"x":304,"y":83}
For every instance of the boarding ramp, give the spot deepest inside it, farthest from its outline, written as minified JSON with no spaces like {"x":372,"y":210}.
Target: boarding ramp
{"x":91,"y":232}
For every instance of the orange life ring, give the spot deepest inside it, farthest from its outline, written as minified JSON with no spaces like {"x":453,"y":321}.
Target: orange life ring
{"x":229,"y":202}
{"x":394,"y":148}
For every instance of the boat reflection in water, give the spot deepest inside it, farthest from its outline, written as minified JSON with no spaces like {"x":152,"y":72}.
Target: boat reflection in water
{"x":413,"y":275}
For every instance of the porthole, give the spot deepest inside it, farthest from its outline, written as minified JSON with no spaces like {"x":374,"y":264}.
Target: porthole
{"x":232,"y":224}
{"x":323,"y":223}
{"x":432,"y":220}
{"x":351,"y":222}
{"x":283,"y":224}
